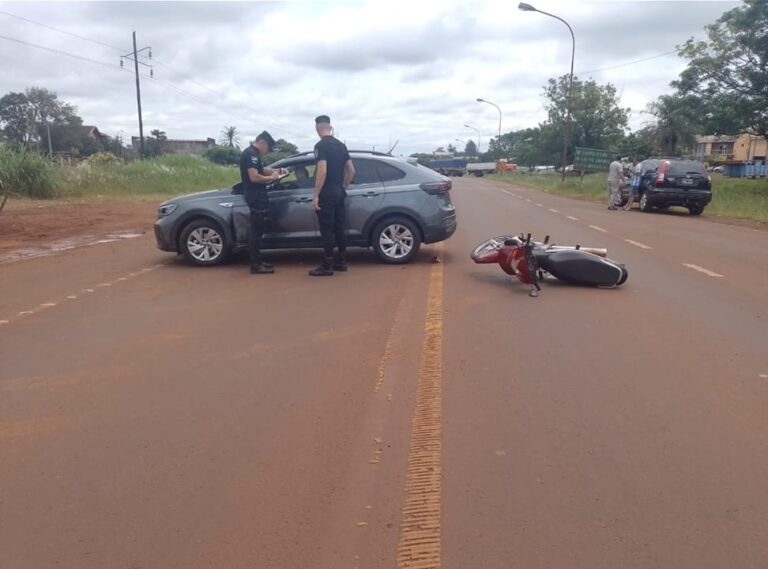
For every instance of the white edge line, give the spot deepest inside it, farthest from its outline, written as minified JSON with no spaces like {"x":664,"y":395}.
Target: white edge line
{"x":598,"y":228}
{"x":638,"y":244}
{"x":573,"y":218}
{"x":554,"y":210}
{"x":703,"y":270}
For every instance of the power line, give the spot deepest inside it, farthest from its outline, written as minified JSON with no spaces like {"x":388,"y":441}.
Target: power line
{"x":193,"y":96}
{"x":160,"y":64}
{"x":58,"y":51}
{"x":631,"y":62}
{"x":60,"y":30}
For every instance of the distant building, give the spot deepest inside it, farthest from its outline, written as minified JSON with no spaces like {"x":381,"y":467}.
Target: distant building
{"x":193,"y":147}
{"x":731,"y":148}
{"x":90,"y":131}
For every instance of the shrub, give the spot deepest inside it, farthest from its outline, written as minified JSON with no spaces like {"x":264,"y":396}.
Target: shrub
{"x":104,"y":160}
{"x":225,"y":155}
{"x":26,"y":173}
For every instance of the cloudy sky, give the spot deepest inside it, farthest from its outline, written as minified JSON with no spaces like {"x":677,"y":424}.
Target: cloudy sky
{"x":384,"y":70}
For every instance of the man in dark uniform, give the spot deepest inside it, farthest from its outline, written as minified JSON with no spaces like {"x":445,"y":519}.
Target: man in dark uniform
{"x":333,"y":174}
{"x":255,"y":177}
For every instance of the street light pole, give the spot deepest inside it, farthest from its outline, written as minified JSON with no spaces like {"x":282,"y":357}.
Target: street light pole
{"x":528,"y":8}
{"x":478,"y":137}
{"x":498,"y":140}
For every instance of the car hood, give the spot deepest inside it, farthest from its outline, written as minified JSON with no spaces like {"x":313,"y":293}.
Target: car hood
{"x":200,"y":196}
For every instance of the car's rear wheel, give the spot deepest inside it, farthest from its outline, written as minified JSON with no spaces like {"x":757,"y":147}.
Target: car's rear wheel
{"x":696,"y":209}
{"x":396,"y":240}
{"x":645,"y":203}
{"x":203,"y":243}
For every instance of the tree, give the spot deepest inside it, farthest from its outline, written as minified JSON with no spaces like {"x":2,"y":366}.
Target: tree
{"x":230,"y":136}
{"x":283,"y":149}
{"x":159,"y":134}
{"x":28,"y":117}
{"x":729,"y":71}
{"x":225,"y":155}
{"x":470,"y":149}
{"x":597,"y":120}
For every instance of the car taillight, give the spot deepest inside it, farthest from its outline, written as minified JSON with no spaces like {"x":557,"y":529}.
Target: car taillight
{"x":662,"y":172}
{"x":435,"y":188}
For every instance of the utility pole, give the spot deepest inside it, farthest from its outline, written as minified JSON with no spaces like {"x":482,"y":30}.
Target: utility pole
{"x":50,"y":146}
{"x":134,"y":55}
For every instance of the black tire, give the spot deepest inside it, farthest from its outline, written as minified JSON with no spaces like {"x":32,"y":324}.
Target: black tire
{"x":478,"y":173}
{"x":645,"y":205}
{"x":396,"y":240}
{"x":203,"y":243}
{"x":696,"y":209}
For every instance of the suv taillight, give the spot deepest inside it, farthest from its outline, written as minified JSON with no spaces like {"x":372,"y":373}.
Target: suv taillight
{"x":435,"y":188}
{"x":662,"y":171}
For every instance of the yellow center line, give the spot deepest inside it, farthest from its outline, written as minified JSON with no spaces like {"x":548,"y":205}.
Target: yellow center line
{"x":419,"y":544}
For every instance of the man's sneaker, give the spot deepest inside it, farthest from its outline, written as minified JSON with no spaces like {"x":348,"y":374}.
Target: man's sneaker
{"x":325,"y":269}
{"x":268,"y":265}
{"x":262,"y":269}
{"x":340,"y":263}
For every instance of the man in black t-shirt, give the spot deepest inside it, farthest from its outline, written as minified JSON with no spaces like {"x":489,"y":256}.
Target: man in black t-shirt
{"x":333,"y":174}
{"x":255,"y":177}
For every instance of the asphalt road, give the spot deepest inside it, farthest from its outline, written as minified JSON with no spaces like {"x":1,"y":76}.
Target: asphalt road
{"x":156,"y":415}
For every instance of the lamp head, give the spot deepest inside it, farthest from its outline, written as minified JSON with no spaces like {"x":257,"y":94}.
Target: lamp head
{"x":526,"y":7}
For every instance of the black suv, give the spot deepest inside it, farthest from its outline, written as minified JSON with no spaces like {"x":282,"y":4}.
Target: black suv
{"x":674,"y":181}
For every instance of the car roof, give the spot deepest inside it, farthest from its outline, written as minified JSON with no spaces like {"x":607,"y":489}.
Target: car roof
{"x":303,"y":156}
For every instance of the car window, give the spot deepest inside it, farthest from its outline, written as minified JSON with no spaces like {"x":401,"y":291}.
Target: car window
{"x":365,"y":171}
{"x":683,"y":167}
{"x":301,"y":175}
{"x":389,"y":173}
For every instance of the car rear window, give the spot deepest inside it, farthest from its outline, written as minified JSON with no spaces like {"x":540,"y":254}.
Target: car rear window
{"x":374,"y":171}
{"x":683,"y":167}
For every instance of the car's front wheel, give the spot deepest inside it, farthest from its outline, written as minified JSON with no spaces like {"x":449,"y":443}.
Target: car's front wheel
{"x":203,"y":243}
{"x":696,"y":209}
{"x":396,"y":240}
{"x":645,"y":203}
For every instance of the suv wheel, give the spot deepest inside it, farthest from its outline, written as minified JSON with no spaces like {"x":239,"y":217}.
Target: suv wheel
{"x":396,"y":240}
{"x":203,"y":243}
{"x":645,"y":204}
{"x":696,"y":209}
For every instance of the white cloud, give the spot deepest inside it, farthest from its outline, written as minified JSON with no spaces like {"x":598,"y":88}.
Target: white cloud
{"x":384,"y":71}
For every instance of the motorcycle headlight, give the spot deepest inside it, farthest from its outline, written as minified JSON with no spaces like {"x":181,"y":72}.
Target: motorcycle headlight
{"x":166,"y":209}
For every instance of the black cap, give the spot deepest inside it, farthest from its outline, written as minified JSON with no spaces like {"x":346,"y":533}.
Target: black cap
{"x":266,"y":137}
{"x":323,"y":119}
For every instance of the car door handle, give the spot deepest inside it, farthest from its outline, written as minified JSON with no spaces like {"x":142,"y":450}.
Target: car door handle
{"x":303,"y":200}
{"x":370,"y":194}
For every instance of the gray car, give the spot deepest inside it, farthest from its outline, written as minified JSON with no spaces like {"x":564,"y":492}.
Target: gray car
{"x":393,"y":206}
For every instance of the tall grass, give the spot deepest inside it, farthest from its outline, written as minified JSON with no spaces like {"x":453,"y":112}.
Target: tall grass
{"x":25,"y":173}
{"x":166,"y":175}
{"x":736,"y":198}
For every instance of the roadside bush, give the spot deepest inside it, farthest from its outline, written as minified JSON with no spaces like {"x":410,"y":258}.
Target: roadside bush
{"x":225,"y":155}
{"x":104,"y":160}
{"x":26,"y":173}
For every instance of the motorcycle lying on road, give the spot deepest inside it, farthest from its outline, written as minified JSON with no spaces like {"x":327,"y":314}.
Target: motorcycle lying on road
{"x":530,"y":261}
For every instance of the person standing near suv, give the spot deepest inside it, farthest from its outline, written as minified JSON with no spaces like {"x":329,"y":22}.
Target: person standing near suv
{"x":334,"y":172}
{"x":255,"y":177}
{"x":615,"y":179}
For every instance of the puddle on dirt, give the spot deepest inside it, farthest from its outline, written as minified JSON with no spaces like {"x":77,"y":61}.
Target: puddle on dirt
{"x":65,"y":245}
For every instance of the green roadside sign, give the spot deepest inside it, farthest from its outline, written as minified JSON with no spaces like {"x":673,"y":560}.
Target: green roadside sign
{"x":591,"y":159}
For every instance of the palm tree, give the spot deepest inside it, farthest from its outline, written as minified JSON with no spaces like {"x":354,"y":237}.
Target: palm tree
{"x":230,"y":136}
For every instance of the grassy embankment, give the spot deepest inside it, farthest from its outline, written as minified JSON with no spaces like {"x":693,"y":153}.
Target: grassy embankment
{"x":735,"y":198}
{"x":31,"y":176}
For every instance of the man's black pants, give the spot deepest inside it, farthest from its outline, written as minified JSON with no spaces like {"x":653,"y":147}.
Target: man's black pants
{"x":332,"y":219}
{"x":258,"y":225}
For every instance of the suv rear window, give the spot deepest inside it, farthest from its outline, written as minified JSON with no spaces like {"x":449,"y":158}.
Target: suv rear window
{"x":375,"y":172}
{"x":683,"y":167}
